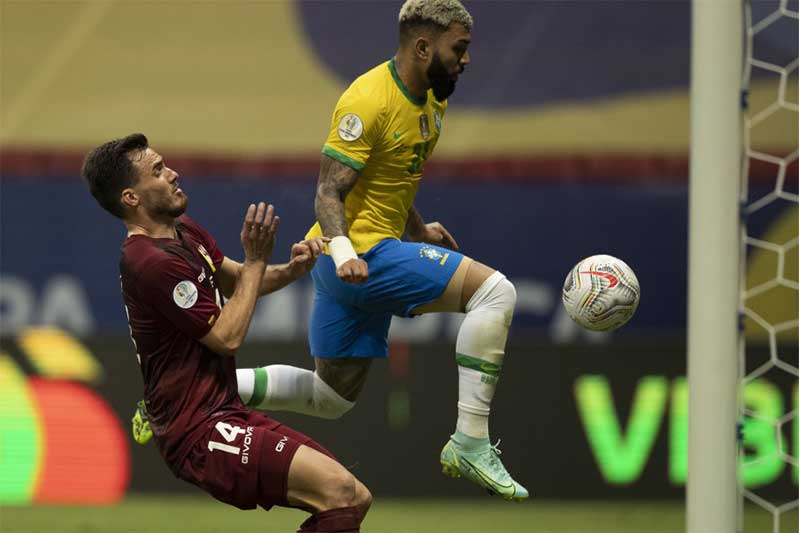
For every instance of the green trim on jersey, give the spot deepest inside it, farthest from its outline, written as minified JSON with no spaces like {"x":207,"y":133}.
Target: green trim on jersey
{"x":480,"y":365}
{"x":341,"y":158}
{"x":411,"y":98}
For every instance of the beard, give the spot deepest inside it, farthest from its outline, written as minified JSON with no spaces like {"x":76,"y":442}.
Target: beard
{"x":167,"y":208}
{"x":441,"y":82}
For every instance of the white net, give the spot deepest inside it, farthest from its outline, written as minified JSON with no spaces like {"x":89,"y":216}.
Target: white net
{"x":769,"y":297}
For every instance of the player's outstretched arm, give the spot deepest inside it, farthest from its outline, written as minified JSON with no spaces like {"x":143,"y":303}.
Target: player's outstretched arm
{"x":258,"y":238}
{"x":432,"y":233}
{"x":302,"y":258}
{"x":304,"y":255}
{"x":335,"y":181}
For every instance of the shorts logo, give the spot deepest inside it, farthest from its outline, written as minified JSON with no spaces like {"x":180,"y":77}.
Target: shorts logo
{"x":281,"y":443}
{"x":433,"y":254}
{"x":184,"y":294}
{"x":248,"y":441}
{"x":350,"y":127}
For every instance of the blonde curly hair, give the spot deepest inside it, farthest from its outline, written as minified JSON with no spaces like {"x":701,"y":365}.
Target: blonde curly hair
{"x":441,"y":13}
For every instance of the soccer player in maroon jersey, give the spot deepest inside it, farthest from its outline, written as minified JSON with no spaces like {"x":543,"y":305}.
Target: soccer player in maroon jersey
{"x":173,"y":279}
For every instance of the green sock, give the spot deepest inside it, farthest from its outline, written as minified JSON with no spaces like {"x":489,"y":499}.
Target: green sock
{"x":259,"y":387}
{"x":469,"y":443}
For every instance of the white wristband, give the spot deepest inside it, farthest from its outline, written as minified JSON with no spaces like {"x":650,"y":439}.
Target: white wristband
{"x":341,"y":250}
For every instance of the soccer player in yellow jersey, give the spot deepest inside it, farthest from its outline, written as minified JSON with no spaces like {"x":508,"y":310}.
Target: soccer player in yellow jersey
{"x":384,"y":128}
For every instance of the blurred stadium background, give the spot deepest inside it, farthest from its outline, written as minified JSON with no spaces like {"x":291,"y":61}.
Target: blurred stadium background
{"x":567,"y":137}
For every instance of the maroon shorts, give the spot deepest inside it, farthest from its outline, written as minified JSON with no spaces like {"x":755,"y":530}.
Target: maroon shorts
{"x":243,"y":459}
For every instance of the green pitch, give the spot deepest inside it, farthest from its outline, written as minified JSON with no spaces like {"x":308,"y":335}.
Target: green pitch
{"x":199,"y":514}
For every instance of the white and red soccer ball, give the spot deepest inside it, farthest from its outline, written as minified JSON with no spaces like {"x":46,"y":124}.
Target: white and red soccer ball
{"x":601,"y":293}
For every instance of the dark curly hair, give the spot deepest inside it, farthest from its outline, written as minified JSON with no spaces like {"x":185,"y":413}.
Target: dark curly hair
{"x":108,"y":170}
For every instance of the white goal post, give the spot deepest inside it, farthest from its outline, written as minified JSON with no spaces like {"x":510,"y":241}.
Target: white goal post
{"x":714,"y":244}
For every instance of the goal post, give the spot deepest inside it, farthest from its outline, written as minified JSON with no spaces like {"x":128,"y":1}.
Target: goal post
{"x":714,"y":245}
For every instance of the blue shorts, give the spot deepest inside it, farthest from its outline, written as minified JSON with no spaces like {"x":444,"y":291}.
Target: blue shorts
{"x":353,"y":320}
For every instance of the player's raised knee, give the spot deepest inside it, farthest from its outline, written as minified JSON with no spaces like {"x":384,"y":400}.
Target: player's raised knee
{"x":328,"y":403}
{"x":496,"y":296}
{"x":507,"y":298}
{"x":363,"y":498}
{"x":509,"y":292}
{"x":338,"y":490}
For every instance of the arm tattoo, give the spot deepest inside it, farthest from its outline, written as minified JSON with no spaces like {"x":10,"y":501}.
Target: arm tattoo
{"x":335,"y":181}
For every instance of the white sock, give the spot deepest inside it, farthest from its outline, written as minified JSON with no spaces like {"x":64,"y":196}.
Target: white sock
{"x":246,"y":379}
{"x":288,"y":388}
{"x":480,"y":348}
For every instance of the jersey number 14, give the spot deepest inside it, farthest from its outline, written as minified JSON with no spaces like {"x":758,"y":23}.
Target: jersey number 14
{"x":229,"y":433}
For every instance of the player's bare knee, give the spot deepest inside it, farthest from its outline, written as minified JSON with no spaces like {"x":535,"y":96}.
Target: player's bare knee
{"x":339,"y":490}
{"x":363,"y":498}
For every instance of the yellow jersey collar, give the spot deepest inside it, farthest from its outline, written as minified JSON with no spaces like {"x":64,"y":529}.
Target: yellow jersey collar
{"x":403,"y":89}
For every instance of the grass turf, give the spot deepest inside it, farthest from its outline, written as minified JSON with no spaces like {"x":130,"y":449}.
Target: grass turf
{"x":200,"y":514}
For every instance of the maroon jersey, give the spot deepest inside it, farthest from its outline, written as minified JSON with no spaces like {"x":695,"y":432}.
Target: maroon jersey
{"x":172,"y":299}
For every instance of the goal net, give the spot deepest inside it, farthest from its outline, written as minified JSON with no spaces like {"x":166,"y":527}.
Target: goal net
{"x":769,"y":253}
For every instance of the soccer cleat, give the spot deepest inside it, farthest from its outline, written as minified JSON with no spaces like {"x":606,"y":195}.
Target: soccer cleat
{"x":483,"y":467}
{"x":140,"y":425}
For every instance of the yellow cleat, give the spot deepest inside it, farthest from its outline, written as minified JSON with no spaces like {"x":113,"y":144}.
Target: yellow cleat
{"x":140,"y":425}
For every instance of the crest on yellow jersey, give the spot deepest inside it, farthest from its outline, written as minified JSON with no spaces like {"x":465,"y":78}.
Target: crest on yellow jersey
{"x":350,"y":127}
{"x":424,"y":127}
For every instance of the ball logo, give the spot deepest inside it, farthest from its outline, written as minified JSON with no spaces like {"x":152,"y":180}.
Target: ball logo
{"x":350,"y":127}
{"x":610,"y":277}
{"x":185,"y":294}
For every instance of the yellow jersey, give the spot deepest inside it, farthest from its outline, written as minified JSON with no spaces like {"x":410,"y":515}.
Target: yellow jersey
{"x":385,"y":133}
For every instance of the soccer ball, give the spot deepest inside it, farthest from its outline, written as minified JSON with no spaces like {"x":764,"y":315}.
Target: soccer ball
{"x":601,"y":293}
